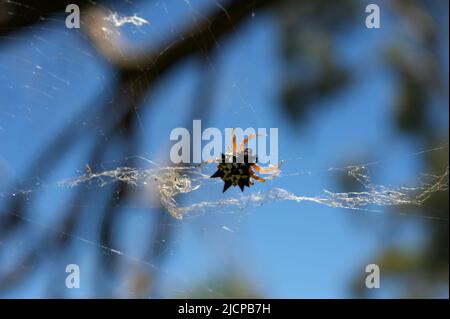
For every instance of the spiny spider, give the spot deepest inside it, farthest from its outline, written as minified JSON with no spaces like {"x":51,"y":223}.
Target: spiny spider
{"x":241,"y":174}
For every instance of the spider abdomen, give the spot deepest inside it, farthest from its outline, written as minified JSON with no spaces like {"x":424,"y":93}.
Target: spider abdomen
{"x":234,"y":174}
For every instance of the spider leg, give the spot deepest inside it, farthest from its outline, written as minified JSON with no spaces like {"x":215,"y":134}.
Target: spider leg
{"x":265,"y":170}
{"x":245,"y":140}
{"x":235,"y":149}
{"x":255,"y":177}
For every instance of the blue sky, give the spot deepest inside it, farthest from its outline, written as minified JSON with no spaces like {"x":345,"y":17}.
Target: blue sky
{"x":285,"y":249}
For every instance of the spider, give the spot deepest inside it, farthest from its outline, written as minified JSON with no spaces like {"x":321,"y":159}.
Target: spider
{"x":241,"y":174}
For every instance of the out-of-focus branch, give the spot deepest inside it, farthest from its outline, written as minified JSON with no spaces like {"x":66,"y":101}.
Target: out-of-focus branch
{"x":201,"y":37}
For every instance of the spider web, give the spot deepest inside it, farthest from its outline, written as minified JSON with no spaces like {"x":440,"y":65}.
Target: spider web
{"x":172,"y":181}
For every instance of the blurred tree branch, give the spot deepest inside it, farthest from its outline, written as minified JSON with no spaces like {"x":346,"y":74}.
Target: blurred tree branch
{"x":127,"y":97}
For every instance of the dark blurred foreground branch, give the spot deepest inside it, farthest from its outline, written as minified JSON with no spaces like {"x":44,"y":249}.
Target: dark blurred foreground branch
{"x":136,"y":74}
